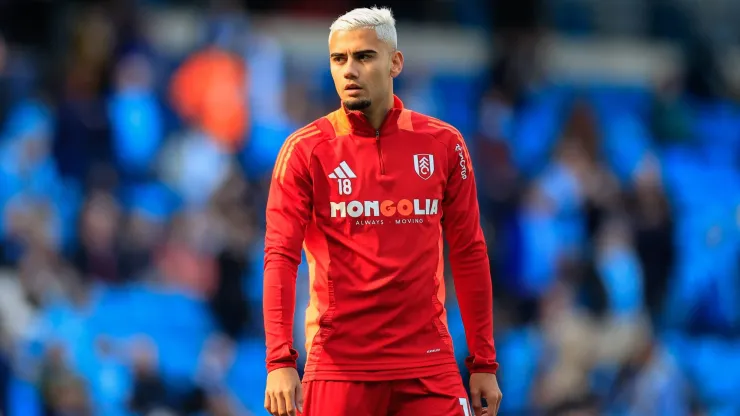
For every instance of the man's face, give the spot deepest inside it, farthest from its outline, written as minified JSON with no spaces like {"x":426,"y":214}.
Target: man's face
{"x":362,"y":67}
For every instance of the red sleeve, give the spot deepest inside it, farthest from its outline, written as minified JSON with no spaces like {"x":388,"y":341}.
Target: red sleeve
{"x":288,"y":212}
{"x":469,"y":259}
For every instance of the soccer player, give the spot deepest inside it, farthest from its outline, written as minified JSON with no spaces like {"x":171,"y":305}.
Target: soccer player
{"x":368,"y":192}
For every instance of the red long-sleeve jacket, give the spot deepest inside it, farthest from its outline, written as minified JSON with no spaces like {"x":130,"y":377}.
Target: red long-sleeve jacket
{"x":370,"y":208}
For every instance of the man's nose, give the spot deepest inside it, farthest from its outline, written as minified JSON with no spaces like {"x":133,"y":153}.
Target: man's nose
{"x":350,"y":70}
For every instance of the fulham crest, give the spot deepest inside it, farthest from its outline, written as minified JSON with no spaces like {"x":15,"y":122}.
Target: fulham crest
{"x":424,"y":166}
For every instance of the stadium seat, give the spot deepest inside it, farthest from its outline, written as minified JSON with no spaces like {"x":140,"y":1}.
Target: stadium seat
{"x":536,"y":129}
{"x":457,"y":96}
{"x":626,"y":142}
{"x":615,"y":101}
{"x":717,"y":128}
{"x":23,"y":399}
{"x":248,"y":376}
{"x":517,"y":352}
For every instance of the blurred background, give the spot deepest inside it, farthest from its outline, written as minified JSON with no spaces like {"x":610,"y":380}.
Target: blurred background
{"x":137,"y":140}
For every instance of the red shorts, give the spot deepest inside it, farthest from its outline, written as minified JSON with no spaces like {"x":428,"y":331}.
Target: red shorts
{"x":440,"y":395}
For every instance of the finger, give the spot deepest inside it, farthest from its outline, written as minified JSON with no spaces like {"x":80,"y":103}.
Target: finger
{"x":475,"y":401}
{"x":274,"y":405}
{"x":299,"y":397}
{"x":283,"y":399}
{"x":494,"y":402}
{"x":289,"y":399}
{"x":268,"y":403}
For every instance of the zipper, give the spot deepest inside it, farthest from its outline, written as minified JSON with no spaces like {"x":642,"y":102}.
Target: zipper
{"x":380,"y":153}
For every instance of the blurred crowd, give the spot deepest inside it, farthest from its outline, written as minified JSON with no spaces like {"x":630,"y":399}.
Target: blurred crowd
{"x":132,"y":192}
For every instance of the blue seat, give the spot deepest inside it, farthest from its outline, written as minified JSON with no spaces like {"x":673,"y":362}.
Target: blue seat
{"x":261,"y":151}
{"x":456,"y":329}
{"x":536,"y":129}
{"x":156,"y":199}
{"x":109,"y":383}
{"x":458,"y":97}
{"x":23,"y":399}
{"x":254,"y":276}
{"x":717,"y":370}
{"x":248,"y":375}
{"x":518,"y":351}
{"x":541,"y":246}
{"x":620,"y":100}
{"x":717,"y":128}
{"x":626,"y":142}
{"x":706,"y":239}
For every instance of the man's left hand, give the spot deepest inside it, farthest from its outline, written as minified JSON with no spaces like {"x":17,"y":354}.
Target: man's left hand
{"x":484,"y":385}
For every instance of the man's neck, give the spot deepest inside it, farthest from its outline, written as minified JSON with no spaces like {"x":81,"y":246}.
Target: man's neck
{"x":376,"y":115}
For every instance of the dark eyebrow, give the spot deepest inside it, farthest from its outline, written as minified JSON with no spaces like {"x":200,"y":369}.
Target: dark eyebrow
{"x":362,"y":52}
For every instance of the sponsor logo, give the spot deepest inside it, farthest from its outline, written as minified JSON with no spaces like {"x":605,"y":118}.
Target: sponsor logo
{"x":463,"y":165}
{"x":404,"y":211}
{"x":424,"y":166}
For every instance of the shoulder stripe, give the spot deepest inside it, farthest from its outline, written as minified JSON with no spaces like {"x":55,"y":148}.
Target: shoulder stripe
{"x":441,"y":124}
{"x":456,"y":132}
{"x":290,"y":151}
{"x":288,"y":148}
{"x":448,"y":128}
{"x":286,"y":143}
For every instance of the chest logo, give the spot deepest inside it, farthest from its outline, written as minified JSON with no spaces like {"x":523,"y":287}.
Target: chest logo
{"x":424,"y":166}
{"x":343,"y":174}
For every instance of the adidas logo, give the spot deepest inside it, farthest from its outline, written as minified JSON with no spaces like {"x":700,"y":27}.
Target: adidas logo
{"x":342,"y":172}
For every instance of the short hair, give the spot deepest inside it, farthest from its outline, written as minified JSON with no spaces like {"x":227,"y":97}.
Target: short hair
{"x":379,"y":19}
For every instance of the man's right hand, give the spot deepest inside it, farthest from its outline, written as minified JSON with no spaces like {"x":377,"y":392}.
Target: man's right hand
{"x":283,"y":392}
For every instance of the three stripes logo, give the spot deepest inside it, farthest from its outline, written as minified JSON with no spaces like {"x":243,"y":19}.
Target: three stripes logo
{"x":343,"y":174}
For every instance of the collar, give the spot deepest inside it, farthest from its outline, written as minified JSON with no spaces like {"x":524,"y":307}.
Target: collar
{"x":359,"y":125}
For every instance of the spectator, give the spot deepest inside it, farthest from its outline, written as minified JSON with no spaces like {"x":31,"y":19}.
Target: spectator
{"x":96,"y":257}
{"x":136,"y":118}
{"x":149,"y":393}
{"x":62,"y":391}
{"x":654,"y":237}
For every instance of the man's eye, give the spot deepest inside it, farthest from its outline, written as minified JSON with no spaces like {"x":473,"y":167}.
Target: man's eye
{"x":363,"y":57}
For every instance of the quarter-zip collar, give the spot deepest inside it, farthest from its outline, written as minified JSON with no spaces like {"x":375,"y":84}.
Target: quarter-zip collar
{"x":359,"y":124}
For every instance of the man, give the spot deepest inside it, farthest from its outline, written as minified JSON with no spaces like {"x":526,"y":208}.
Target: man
{"x":367,"y":192}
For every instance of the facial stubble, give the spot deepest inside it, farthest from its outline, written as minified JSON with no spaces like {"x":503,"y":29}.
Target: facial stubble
{"x":357,"y":105}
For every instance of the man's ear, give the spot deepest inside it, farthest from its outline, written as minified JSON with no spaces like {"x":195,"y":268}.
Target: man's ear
{"x":396,"y":64}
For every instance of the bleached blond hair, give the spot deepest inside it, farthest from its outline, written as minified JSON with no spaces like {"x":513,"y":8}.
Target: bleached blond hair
{"x":379,"y":19}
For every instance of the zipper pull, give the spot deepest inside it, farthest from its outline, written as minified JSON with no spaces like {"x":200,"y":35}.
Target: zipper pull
{"x":380,"y":153}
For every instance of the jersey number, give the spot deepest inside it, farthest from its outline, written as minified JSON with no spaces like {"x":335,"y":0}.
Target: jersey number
{"x":345,"y":186}
{"x":464,"y":404}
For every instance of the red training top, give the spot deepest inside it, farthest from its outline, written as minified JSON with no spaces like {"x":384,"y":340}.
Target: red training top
{"x":369,"y":208}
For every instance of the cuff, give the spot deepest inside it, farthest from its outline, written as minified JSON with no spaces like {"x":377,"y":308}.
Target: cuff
{"x":282,"y":362}
{"x":480,"y":365}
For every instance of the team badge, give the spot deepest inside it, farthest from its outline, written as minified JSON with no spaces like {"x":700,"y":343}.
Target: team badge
{"x":424,"y":166}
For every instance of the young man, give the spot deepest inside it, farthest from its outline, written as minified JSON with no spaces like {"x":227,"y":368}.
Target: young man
{"x":367,"y":192}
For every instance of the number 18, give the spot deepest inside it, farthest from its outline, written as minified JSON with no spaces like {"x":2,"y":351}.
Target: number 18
{"x":345,"y":186}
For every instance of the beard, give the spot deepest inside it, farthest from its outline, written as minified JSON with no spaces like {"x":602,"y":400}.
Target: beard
{"x":357,"y":104}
